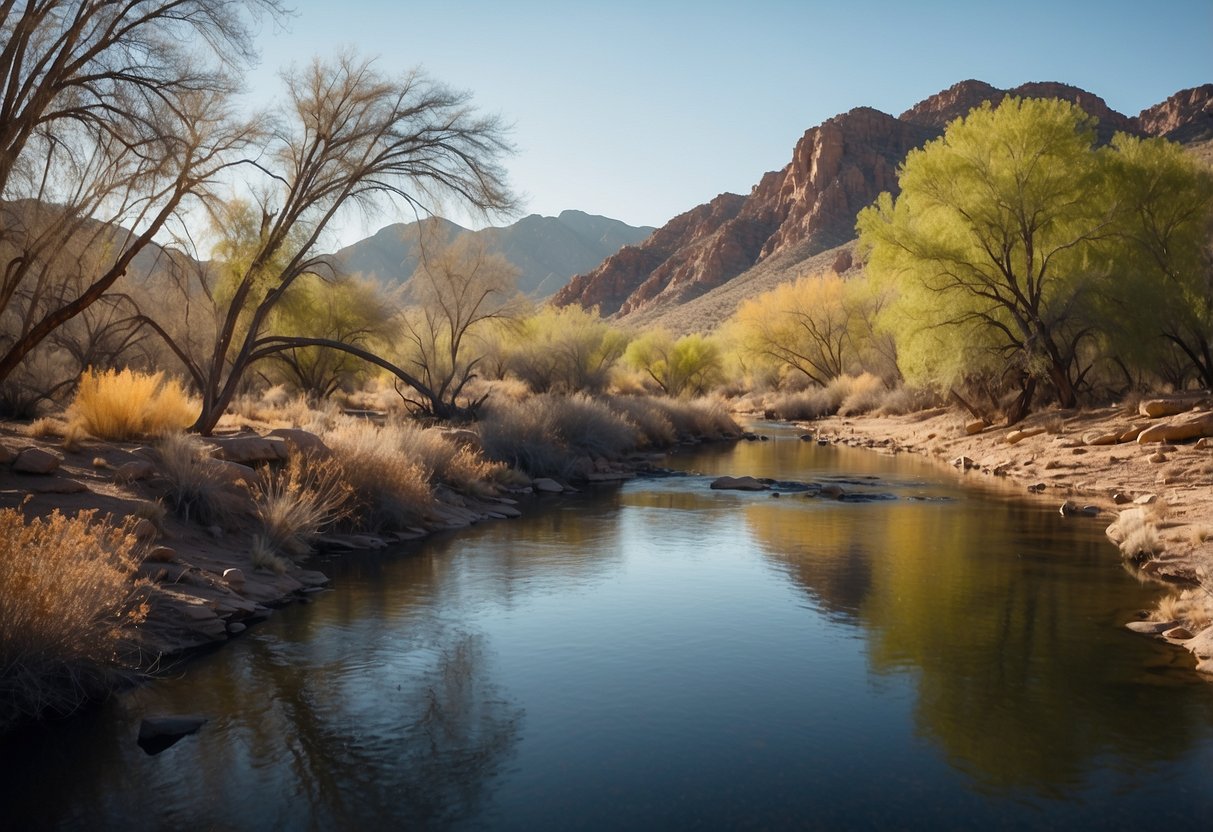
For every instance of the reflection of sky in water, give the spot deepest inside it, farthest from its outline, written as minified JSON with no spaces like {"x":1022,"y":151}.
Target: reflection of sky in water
{"x":662,"y":655}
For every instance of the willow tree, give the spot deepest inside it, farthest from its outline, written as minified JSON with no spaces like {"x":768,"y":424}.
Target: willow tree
{"x":992,"y":246}
{"x":344,"y":137}
{"x":689,"y":365}
{"x":112,"y":115}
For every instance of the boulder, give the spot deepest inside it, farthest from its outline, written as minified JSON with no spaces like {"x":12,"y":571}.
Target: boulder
{"x":1071,"y":509}
{"x":137,"y":469}
{"x":1097,"y":438}
{"x":160,"y":554}
{"x":1202,"y":643}
{"x":547,"y":485}
{"x":36,"y":461}
{"x":7,"y":454}
{"x":975,"y":427}
{"x":159,"y":732}
{"x":1038,"y":487}
{"x":1145,"y":499}
{"x":302,"y":441}
{"x":234,"y":472}
{"x":1177,"y":633}
{"x":1202,"y":443}
{"x":1193,"y":427}
{"x":1157,"y":408}
{"x":249,"y":449}
{"x":233,"y":577}
{"x":1131,"y":433}
{"x":738,"y":484}
{"x":1158,"y":458}
{"x":1120,"y":498}
{"x":1019,"y":435}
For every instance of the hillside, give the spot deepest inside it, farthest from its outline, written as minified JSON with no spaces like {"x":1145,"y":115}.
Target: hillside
{"x":691,"y":273}
{"x":547,"y":250}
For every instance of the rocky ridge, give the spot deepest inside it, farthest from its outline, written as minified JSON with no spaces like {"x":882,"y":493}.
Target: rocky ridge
{"x":809,"y":206}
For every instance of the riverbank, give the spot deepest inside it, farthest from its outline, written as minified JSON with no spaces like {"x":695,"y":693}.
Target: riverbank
{"x":1091,"y":464}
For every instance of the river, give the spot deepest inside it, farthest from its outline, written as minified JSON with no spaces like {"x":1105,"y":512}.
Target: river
{"x":934,"y":653}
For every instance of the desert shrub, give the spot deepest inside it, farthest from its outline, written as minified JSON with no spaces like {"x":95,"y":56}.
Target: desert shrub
{"x":864,"y":393}
{"x":391,"y":490}
{"x":197,"y":484}
{"x":703,"y":418}
{"x":296,"y":502}
{"x":67,"y":608}
{"x":566,"y":349}
{"x":653,"y":425}
{"x":124,"y":405}
{"x":588,"y":426}
{"x":522,"y":434}
{"x":902,"y":400}
{"x":805,"y":405}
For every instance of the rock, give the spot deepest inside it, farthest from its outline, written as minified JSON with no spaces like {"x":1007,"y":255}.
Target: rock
{"x":738,"y":484}
{"x":1157,"y":458}
{"x":233,"y":577}
{"x":832,"y":491}
{"x":1097,"y":438}
{"x":302,"y":441}
{"x":1202,"y":443}
{"x":248,"y":449}
{"x":235,"y":628}
{"x":774,"y":493}
{"x":1052,"y":464}
{"x":1131,"y":433}
{"x":1036,"y":488}
{"x":234,"y":472}
{"x":1157,"y":408}
{"x":1193,"y":427}
{"x":1151,"y":628}
{"x":7,"y":454}
{"x":1071,"y":509}
{"x":1016,"y":436}
{"x":964,"y":463}
{"x":36,"y":461}
{"x":138,"y":469}
{"x":1120,"y":498}
{"x":160,"y":554}
{"x":547,"y":485}
{"x":1145,"y":499}
{"x":975,"y":427}
{"x":806,"y":437}
{"x":158,"y":733}
{"x":1202,"y":643}
{"x":1177,"y":633}
{"x":215,"y":531}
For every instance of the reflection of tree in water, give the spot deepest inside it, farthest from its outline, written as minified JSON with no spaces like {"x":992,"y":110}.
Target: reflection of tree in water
{"x":991,"y":607}
{"x":378,"y":741}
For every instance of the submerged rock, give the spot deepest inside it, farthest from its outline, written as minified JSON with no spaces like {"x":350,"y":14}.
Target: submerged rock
{"x":738,"y":484}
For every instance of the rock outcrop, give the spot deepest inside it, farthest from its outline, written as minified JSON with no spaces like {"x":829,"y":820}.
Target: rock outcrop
{"x":1186,"y":116}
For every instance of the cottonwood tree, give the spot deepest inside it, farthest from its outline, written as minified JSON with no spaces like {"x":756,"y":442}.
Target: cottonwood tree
{"x":1166,"y":196}
{"x":568,"y":349}
{"x":678,"y":366}
{"x":112,"y":115}
{"x":345,"y":137}
{"x":992,"y":246}
{"x":457,"y":291}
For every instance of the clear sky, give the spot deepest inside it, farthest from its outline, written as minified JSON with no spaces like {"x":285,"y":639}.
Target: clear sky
{"x":642,"y":110}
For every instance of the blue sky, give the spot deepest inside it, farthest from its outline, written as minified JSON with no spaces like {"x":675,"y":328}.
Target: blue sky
{"x":642,"y":110}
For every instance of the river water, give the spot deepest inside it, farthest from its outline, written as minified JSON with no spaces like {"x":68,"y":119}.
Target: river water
{"x":663,"y":656}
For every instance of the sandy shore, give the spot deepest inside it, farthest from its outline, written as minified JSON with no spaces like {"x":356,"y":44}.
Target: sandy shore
{"x":1054,"y":455}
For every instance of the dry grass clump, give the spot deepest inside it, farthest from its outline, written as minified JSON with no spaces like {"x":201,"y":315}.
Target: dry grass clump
{"x":703,"y":418}
{"x":197,"y":484}
{"x":1138,"y":532}
{"x":902,"y":400}
{"x":48,"y":427}
{"x":68,"y":604}
{"x":588,"y":426}
{"x":391,"y":490}
{"x":125,"y":405}
{"x":296,"y":502}
{"x":1191,"y":607}
{"x":522,"y":434}
{"x":444,"y":459}
{"x":806,"y":405}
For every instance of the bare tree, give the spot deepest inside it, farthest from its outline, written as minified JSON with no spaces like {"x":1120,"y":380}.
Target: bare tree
{"x":346,"y":137}
{"x":110,"y":118}
{"x":457,"y":290}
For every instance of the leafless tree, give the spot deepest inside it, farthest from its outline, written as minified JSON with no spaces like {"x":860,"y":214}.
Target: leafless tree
{"x":346,"y":137}
{"x":112,"y":115}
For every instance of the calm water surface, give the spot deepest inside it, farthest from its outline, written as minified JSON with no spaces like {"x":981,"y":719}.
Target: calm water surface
{"x":664,"y":656}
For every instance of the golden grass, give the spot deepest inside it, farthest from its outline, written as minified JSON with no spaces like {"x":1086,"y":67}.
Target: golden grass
{"x":390,"y":489}
{"x":125,"y":405}
{"x":68,"y":606}
{"x":1138,"y":530}
{"x":1191,"y":607}
{"x":295,"y":503}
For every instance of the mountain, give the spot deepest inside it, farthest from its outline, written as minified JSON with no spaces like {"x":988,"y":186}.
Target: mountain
{"x":546,"y":250}
{"x":692,"y":272}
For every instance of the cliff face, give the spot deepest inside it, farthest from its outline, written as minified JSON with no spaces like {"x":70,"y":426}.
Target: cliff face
{"x":1186,"y":116}
{"x":837,"y":168}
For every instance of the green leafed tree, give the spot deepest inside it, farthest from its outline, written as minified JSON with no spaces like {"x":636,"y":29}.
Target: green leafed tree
{"x":993,"y":248}
{"x":567,"y":349}
{"x":690,"y":365}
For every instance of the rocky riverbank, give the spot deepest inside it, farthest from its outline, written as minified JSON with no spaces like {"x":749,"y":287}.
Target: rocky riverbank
{"x":1146,"y":470}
